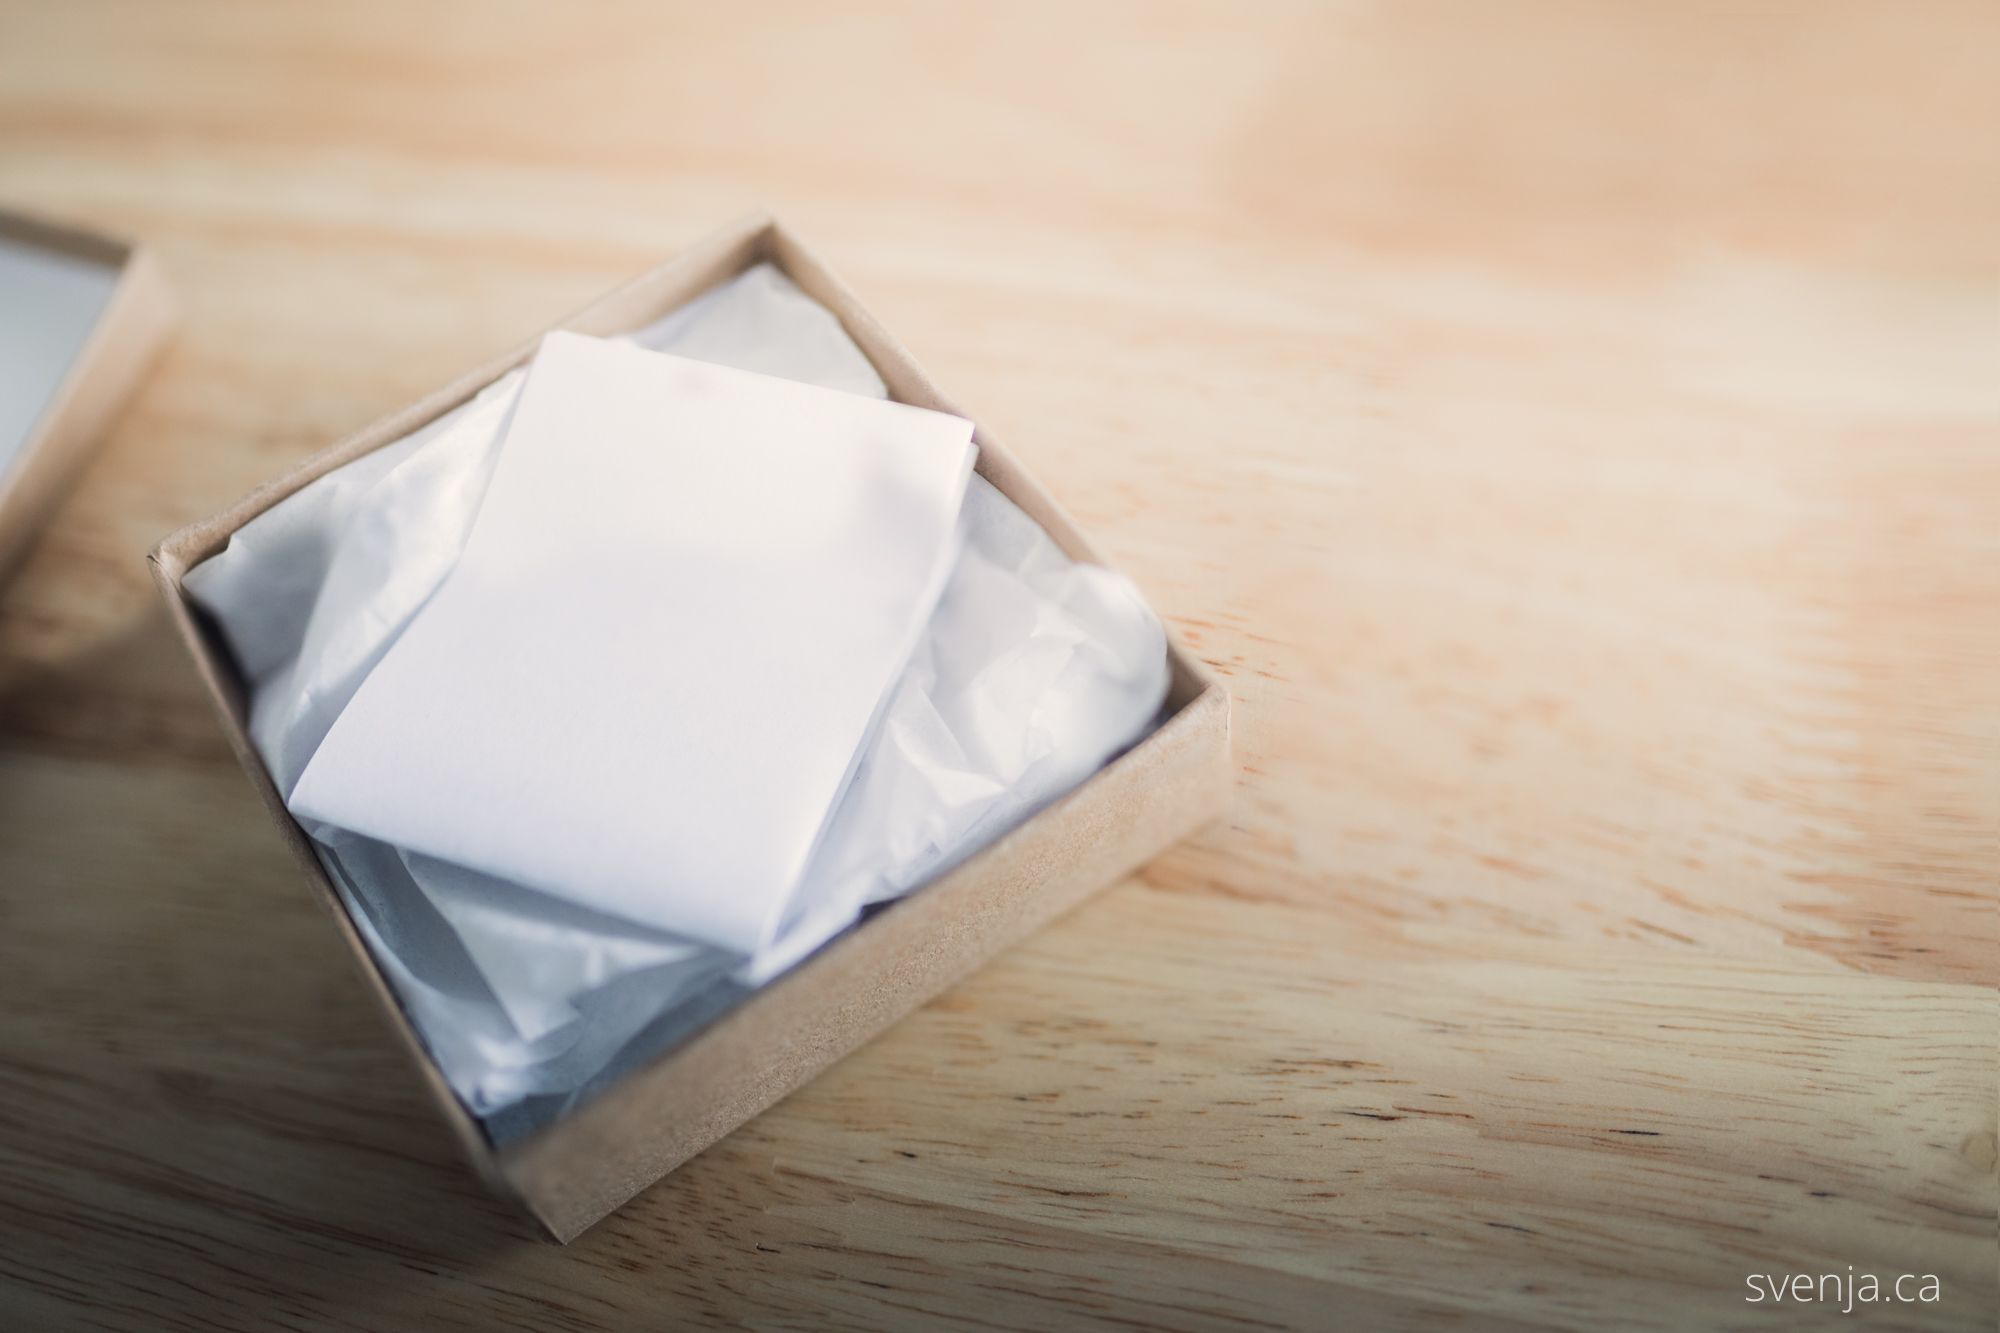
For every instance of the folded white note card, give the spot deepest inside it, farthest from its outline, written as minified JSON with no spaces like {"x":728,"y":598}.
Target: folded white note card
{"x":645,"y":684}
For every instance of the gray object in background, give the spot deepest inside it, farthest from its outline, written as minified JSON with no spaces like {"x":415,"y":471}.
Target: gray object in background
{"x":81,"y":317}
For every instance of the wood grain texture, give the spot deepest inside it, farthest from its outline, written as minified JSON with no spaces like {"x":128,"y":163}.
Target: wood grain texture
{"x":1571,"y":429}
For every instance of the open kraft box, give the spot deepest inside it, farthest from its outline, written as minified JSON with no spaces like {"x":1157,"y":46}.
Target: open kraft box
{"x":571,"y":1173}
{"x":125,"y":334}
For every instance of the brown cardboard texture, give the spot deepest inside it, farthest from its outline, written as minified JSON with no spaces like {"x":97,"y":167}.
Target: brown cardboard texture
{"x":574,"y":1171}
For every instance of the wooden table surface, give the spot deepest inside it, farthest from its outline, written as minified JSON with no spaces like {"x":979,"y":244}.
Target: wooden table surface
{"x":1571,"y":429}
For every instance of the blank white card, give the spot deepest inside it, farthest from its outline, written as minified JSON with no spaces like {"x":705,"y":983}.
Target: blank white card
{"x":646,"y":682}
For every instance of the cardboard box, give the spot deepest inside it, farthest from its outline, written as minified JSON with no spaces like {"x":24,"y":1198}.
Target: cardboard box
{"x":571,"y":1173}
{"x":125,"y":334}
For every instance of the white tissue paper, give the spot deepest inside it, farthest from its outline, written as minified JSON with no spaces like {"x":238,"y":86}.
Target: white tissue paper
{"x":1030,"y":673}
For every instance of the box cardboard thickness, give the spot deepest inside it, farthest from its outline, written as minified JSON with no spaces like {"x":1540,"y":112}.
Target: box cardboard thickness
{"x":574,"y":1171}
{"x":128,"y":335}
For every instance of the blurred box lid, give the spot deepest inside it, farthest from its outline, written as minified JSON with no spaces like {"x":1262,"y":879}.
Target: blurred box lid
{"x":82,"y":316}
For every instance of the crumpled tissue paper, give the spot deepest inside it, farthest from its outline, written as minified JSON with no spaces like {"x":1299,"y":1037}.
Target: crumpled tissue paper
{"x":1031,"y":672}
